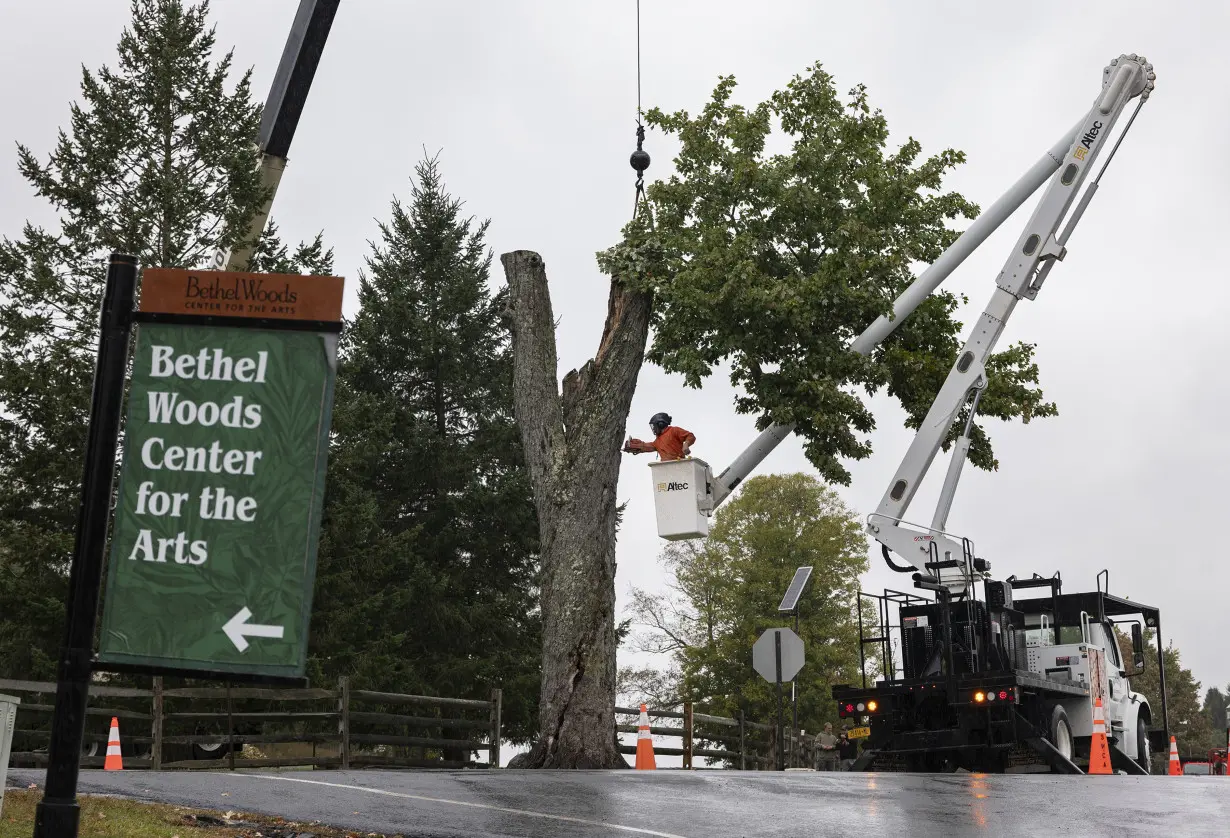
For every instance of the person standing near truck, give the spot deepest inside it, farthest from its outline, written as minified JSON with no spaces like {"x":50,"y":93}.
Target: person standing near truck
{"x":847,"y":749}
{"x":827,"y":743}
{"x":669,"y":441}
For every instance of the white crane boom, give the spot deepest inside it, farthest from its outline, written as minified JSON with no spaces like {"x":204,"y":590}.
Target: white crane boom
{"x":1131,"y":76}
{"x":931,"y":550}
{"x":930,"y":279}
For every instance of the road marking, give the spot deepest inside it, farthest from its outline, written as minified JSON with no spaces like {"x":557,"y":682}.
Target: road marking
{"x":566,"y":818}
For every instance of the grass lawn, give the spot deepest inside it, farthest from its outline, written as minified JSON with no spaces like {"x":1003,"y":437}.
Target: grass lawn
{"x":105,"y":817}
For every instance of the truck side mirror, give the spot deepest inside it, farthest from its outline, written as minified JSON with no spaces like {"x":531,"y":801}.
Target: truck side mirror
{"x":1138,"y":649}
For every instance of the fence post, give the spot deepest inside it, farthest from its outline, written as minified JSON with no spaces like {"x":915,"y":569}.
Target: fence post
{"x":742,"y":745}
{"x":687,"y":735}
{"x":497,"y":706}
{"x":156,"y":754}
{"x":343,"y":725}
{"x":230,"y":727}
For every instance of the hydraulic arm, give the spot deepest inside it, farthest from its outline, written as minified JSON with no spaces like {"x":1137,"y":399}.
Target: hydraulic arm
{"x":974,"y":235}
{"x":1125,"y":78}
{"x":941,"y":558}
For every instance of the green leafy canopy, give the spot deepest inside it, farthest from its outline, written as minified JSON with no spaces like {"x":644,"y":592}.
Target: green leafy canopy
{"x":774,"y":263}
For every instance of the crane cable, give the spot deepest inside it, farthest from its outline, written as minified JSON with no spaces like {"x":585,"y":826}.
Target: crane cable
{"x":640,"y":158}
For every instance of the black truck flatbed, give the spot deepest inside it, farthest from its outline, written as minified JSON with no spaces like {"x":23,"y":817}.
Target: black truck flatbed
{"x":965,"y":683}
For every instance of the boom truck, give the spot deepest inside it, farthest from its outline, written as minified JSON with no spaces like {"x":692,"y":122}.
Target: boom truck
{"x":1008,"y":681}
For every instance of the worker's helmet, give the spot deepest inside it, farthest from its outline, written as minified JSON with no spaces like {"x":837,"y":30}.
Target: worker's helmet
{"x":659,"y":422}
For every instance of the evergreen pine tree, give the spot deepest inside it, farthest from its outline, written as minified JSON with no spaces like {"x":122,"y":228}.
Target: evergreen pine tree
{"x":428,"y":550}
{"x":159,"y":161}
{"x":1215,"y":705}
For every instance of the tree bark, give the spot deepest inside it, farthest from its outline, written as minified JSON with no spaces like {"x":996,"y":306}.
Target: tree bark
{"x":572,"y":444}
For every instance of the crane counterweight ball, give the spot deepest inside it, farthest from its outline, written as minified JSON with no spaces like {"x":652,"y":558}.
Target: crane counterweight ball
{"x":639,"y":160}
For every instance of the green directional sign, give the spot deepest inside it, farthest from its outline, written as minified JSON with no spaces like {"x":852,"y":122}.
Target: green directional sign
{"x":213,"y":550}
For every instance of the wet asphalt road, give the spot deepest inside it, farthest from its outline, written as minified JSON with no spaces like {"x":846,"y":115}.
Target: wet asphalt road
{"x":698,"y":804}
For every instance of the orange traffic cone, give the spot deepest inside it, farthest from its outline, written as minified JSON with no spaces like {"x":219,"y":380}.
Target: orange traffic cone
{"x":115,"y":761}
{"x":644,"y":743}
{"x":1175,"y":769}
{"x":1099,"y":748}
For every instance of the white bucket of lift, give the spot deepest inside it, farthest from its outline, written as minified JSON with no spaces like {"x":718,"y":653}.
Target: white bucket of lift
{"x":681,"y":498}
{"x":8,"y":721}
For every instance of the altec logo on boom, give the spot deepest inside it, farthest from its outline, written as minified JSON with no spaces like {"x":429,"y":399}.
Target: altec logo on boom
{"x":673,"y":486}
{"x":1091,"y":135}
{"x":1087,"y":141}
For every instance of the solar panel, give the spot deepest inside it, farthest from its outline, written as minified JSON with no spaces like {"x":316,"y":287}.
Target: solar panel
{"x":791,"y":599}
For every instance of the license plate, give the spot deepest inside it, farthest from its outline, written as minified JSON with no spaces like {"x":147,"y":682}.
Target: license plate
{"x":859,"y":733}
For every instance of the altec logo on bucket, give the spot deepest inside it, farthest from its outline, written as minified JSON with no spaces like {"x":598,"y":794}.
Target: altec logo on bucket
{"x":672,"y":487}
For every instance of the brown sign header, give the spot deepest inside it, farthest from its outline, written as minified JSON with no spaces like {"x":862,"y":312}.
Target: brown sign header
{"x":237,"y":294}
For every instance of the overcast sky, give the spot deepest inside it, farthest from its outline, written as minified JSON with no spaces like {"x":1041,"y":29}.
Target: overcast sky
{"x":533,"y":107}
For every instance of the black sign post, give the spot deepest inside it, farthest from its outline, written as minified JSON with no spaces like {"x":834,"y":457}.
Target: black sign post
{"x":781,"y":748}
{"x":777,"y":656}
{"x":57,"y":814}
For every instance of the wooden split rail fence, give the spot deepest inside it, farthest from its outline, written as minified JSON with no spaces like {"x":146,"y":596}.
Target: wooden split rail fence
{"x":233,"y":727}
{"x":746,"y":745}
{"x":356,"y":728}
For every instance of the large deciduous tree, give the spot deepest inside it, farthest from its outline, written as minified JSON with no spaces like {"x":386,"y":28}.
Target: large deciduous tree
{"x":771,"y":263}
{"x":724,"y":591}
{"x":429,"y":542}
{"x":159,"y":161}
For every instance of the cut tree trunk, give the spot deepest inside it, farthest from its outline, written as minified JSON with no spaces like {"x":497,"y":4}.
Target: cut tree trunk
{"x":572,"y":444}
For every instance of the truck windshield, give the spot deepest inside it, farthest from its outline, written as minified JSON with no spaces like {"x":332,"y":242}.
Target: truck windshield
{"x":1070,"y":634}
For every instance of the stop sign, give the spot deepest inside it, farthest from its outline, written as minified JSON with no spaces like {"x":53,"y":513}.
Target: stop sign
{"x":764,"y":654}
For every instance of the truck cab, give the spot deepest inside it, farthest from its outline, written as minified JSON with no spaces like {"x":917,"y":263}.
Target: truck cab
{"x":1071,"y":639}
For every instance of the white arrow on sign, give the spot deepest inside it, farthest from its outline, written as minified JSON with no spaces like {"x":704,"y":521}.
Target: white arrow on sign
{"x":238,"y":629}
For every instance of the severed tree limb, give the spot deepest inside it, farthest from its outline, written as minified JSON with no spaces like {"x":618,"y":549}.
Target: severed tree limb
{"x":536,"y":398}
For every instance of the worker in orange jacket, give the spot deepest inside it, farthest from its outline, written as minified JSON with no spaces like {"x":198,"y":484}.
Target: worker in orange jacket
{"x":671,"y":442}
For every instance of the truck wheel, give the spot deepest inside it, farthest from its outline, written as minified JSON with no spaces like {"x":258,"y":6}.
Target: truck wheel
{"x":1144,"y":754}
{"x":210,"y":750}
{"x":1060,"y":731}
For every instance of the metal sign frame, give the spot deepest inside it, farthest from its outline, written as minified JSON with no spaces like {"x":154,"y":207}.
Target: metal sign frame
{"x":238,"y":609}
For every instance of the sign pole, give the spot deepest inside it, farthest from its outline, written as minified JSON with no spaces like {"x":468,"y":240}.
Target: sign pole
{"x":57,"y":814}
{"x":790,"y":605}
{"x":781,"y":750}
{"x":794,"y":701}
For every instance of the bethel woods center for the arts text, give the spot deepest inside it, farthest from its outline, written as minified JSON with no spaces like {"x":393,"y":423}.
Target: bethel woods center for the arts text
{"x":168,"y":407}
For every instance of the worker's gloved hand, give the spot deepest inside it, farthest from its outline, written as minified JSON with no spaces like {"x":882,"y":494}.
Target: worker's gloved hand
{"x":687,"y":450}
